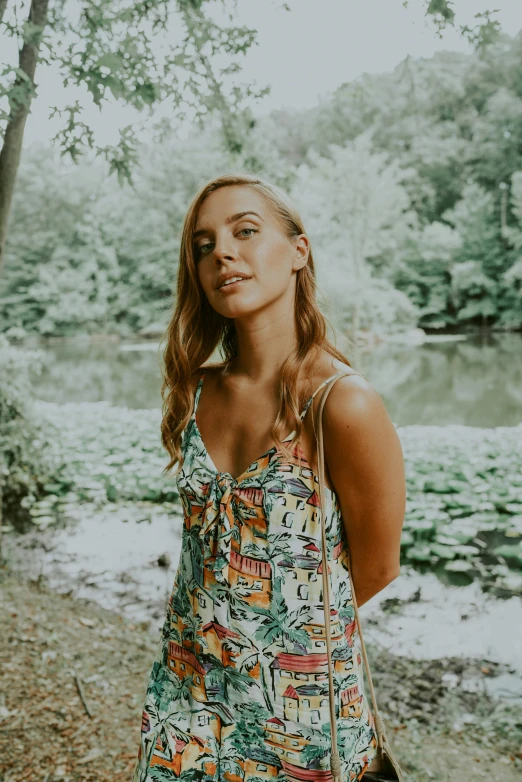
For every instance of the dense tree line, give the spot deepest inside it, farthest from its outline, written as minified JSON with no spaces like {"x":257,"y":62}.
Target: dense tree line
{"x":410,"y":184}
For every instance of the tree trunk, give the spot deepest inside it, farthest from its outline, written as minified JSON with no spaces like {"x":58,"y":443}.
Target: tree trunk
{"x":12,"y":147}
{"x":3,"y":6}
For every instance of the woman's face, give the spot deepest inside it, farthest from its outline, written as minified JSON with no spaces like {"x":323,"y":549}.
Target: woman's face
{"x":252,"y":244}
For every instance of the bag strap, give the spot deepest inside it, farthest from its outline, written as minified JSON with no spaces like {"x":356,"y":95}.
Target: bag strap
{"x":379,"y":724}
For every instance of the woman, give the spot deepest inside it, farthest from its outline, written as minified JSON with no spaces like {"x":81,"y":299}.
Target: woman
{"x":238,"y":690}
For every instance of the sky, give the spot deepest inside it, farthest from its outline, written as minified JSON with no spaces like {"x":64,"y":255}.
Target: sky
{"x":302,"y":54}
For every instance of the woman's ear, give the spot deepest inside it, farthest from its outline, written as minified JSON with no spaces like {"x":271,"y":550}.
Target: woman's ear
{"x":302,"y":248}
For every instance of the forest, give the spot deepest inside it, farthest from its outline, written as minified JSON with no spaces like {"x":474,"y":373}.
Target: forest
{"x":409,"y":183}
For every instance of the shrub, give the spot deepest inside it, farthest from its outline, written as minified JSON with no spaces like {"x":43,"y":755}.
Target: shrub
{"x":27,"y":459}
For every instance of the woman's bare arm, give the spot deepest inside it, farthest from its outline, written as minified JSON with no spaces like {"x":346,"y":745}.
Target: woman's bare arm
{"x":366,"y":466}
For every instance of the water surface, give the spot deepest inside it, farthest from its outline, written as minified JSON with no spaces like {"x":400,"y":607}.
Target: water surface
{"x":475,"y":382}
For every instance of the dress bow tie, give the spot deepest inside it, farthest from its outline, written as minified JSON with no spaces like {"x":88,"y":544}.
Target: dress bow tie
{"x":219,"y":524}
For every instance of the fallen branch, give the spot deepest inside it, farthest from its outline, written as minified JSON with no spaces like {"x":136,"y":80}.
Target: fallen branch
{"x":82,"y":694}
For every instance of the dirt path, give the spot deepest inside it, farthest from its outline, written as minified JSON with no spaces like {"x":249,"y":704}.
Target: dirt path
{"x":46,"y":733}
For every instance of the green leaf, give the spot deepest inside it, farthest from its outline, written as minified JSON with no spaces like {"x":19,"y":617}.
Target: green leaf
{"x":459,"y":566}
{"x":442,"y":552}
{"x":419,"y":553}
{"x":513,"y":554}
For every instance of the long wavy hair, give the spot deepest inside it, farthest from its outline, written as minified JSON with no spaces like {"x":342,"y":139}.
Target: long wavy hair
{"x":196,"y":329}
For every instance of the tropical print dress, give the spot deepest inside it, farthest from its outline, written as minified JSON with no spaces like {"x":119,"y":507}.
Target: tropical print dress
{"x":239,"y":686}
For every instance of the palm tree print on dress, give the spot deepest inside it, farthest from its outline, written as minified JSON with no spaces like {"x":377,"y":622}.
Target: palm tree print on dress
{"x":238,"y":691}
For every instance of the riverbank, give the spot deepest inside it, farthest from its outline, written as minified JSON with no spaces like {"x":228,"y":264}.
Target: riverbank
{"x":156,"y":332}
{"x":73,"y":678}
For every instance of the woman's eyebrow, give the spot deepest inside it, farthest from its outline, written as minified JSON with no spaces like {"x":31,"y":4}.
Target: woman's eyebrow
{"x":228,"y":220}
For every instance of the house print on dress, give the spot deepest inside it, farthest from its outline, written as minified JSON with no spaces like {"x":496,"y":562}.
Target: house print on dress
{"x":238,"y":691}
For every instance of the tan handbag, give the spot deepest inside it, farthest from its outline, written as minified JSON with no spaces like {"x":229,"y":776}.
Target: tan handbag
{"x":384,"y":766}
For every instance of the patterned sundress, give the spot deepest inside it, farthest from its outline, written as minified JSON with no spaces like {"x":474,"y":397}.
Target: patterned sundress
{"x":239,"y":686}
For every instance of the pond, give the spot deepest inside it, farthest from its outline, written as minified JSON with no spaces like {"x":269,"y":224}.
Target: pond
{"x":476,"y":381}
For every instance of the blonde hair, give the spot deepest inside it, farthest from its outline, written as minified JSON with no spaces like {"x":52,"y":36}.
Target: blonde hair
{"x":196,"y":329}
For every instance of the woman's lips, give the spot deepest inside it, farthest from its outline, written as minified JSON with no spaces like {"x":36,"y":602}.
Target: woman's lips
{"x":233,"y":285}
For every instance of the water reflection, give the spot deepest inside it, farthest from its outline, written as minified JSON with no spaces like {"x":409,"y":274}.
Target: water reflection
{"x":83,"y":372}
{"x":477,"y":382}
{"x":447,"y":621}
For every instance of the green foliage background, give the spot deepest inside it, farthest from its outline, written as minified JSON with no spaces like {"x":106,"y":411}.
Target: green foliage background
{"x":410,"y":184}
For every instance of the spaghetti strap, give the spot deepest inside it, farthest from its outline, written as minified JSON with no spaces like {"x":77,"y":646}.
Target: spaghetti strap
{"x":198,"y":392}
{"x":310,"y":399}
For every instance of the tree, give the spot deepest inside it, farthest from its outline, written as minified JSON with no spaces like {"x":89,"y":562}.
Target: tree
{"x":425,"y":275}
{"x":479,"y":260}
{"x":120,"y":50}
{"x":60,"y":271}
{"x":356,"y":209}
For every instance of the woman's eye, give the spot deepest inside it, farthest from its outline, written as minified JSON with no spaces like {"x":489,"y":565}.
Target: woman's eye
{"x":201,"y":249}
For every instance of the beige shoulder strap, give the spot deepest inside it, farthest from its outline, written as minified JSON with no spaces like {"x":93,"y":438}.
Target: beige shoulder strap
{"x":384,"y":752}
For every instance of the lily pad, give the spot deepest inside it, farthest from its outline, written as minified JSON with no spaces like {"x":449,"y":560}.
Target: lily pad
{"x":443,"y":552}
{"x":459,"y":566}
{"x":511,"y":553}
{"x":515,"y":522}
{"x":421,"y":528}
{"x":439,"y":486}
{"x":420,"y":553}
{"x":466,"y":551}
{"x":44,"y":521}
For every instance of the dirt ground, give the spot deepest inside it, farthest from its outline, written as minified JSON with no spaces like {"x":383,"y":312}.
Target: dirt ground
{"x":72,"y":683}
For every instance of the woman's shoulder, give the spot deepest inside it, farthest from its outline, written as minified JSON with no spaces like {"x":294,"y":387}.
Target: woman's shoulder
{"x":353,"y":379}
{"x":351,"y":396}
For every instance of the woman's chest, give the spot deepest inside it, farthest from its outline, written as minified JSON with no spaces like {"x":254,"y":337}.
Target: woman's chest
{"x":273,"y":492}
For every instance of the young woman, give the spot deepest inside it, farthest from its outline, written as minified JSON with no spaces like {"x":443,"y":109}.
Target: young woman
{"x":238,"y":689}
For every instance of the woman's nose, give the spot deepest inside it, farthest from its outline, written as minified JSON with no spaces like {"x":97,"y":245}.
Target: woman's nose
{"x":224,"y":247}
